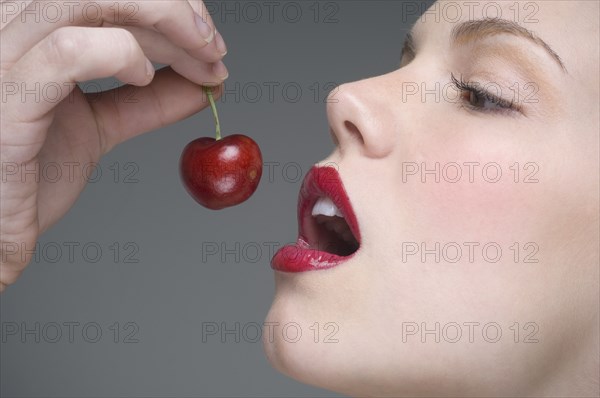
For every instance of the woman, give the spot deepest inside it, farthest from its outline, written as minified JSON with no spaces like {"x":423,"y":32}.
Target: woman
{"x":467,"y":263}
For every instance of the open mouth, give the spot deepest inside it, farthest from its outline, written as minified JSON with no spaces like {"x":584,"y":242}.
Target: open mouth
{"x":328,"y":230}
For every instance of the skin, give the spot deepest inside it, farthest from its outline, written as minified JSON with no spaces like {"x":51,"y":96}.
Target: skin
{"x":74,"y":130}
{"x":373,"y":296}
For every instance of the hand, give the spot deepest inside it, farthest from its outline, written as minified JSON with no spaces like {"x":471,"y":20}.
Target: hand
{"x":45,"y":118}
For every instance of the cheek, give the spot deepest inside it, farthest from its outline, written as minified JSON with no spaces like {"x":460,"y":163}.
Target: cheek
{"x":482,"y":202}
{"x":474,"y":190}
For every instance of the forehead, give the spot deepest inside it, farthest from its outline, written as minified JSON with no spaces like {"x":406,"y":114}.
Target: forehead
{"x":569,"y":27}
{"x":548,"y":19}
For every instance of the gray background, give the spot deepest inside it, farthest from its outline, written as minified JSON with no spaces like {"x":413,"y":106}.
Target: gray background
{"x":139,"y":203}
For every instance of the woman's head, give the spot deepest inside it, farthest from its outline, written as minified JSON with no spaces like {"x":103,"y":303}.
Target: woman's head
{"x":473,"y":173}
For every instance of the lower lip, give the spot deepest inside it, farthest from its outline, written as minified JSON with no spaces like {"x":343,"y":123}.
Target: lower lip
{"x":299,"y":257}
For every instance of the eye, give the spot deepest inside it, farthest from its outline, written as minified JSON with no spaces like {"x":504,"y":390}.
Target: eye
{"x":478,"y":99}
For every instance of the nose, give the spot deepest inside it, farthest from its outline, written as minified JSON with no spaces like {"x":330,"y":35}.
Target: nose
{"x":360,"y":119}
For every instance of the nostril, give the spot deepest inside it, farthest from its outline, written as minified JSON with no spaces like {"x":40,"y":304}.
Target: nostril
{"x":354,"y":132}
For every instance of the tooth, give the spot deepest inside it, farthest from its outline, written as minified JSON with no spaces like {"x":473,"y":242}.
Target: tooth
{"x":338,"y":212}
{"x":326,"y":207}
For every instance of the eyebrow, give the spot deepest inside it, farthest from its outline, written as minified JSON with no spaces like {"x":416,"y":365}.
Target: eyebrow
{"x":480,"y":29}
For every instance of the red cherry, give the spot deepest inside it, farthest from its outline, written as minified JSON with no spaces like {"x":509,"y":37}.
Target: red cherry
{"x":217,"y":172}
{"x":221,"y":173}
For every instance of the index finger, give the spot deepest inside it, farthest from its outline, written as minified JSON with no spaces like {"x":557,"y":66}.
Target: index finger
{"x":176,"y":19}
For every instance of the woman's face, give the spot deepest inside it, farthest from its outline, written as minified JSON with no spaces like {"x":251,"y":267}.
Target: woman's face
{"x":452,"y":252}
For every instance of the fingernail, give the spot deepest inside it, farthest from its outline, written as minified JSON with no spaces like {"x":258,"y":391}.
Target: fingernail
{"x":205,"y":30}
{"x":149,"y":68}
{"x":221,"y":47}
{"x":220,"y":70}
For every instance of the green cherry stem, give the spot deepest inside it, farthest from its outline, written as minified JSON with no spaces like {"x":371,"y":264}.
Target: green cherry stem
{"x":208,"y":92}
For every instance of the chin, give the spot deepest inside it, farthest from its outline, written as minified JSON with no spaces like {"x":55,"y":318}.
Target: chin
{"x":344,"y":346}
{"x":353,"y":354}
{"x":320,"y":354}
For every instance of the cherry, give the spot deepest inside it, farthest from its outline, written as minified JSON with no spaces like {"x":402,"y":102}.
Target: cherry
{"x":220,"y":172}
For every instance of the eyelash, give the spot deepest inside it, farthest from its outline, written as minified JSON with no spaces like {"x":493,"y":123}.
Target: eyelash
{"x":473,"y":89}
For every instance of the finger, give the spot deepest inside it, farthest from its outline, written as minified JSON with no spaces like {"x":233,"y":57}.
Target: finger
{"x":176,"y":19}
{"x":160,"y":50}
{"x":69,"y":55}
{"x":213,"y":52}
{"x":217,"y":47}
{"x":168,"y":99}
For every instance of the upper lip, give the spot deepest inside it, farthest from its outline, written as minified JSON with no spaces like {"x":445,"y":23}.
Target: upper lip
{"x":323,"y":182}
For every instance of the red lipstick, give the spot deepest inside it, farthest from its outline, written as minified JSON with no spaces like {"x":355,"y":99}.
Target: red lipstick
{"x":324,"y":240}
